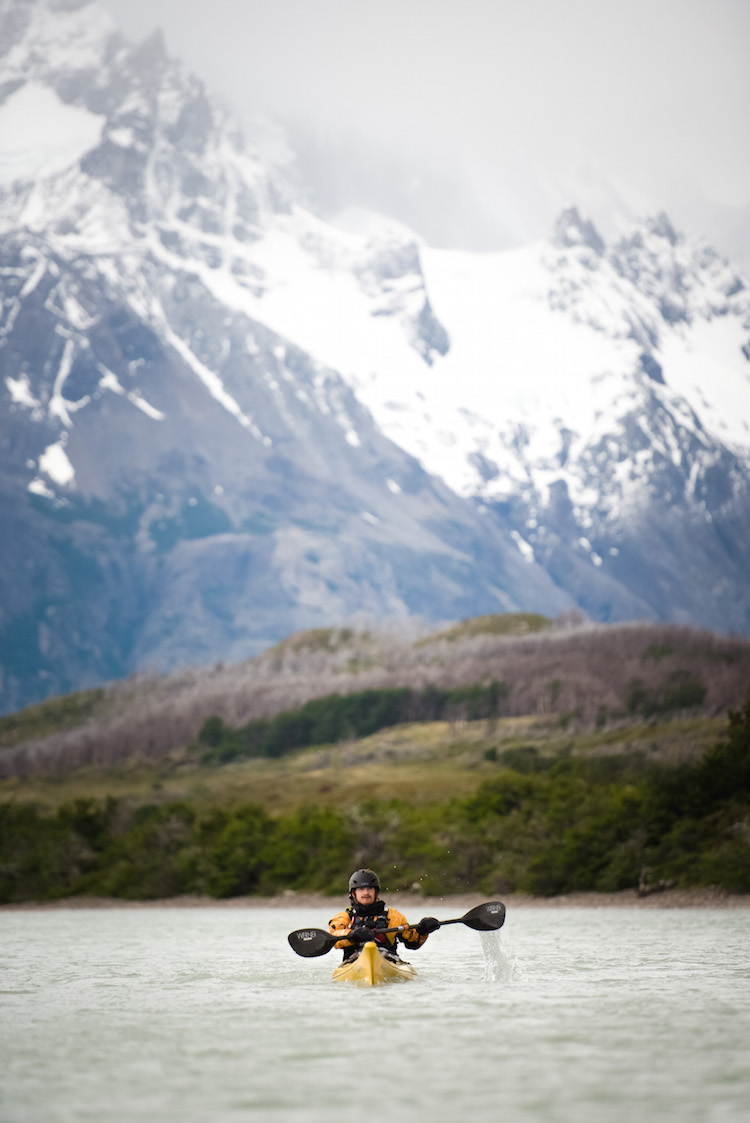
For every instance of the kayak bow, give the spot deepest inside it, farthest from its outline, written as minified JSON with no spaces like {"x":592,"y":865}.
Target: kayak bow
{"x":372,"y":967}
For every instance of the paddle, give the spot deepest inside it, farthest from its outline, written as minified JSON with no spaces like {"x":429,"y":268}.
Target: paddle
{"x":311,"y":942}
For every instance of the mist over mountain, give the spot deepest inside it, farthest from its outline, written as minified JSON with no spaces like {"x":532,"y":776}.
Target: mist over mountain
{"x":224,"y":419}
{"x":477,"y":124}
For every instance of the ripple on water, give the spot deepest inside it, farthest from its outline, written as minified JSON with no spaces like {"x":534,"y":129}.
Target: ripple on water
{"x":600,"y":1015}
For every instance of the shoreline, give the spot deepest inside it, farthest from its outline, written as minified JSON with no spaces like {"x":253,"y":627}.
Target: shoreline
{"x":710,"y":898}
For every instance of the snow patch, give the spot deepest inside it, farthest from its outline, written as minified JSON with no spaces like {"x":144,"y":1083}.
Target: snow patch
{"x":110,"y":381}
{"x":20,"y":392}
{"x":36,"y":276}
{"x":586,"y":545}
{"x":705,"y":365}
{"x":55,"y":464}
{"x":123,"y":138}
{"x":524,"y":547}
{"x":214,"y":385}
{"x":39,"y":487}
{"x":144,"y":406}
{"x":59,"y":406}
{"x":40,"y":135}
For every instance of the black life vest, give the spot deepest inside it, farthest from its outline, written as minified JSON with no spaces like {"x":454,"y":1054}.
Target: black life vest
{"x":374,"y":916}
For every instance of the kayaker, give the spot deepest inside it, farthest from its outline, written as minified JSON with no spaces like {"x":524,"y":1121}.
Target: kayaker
{"x":367,"y":916}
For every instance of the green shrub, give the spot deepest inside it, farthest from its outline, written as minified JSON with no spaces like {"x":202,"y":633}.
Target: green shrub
{"x":338,"y":717}
{"x":212,"y":732}
{"x":681,"y":692}
{"x":524,"y":758}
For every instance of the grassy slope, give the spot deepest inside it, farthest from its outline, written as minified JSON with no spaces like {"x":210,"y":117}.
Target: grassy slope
{"x":574,"y":681}
{"x":429,"y":762}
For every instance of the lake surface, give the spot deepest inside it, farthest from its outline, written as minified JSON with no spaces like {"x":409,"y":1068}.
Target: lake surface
{"x":205,"y":1015}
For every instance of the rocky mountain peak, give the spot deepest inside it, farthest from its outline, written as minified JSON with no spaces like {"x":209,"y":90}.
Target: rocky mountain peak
{"x":660,"y":226}
{"x":572,"y":230}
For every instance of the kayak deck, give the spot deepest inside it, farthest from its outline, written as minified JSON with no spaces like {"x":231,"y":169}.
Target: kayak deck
{"x":372,"y":967}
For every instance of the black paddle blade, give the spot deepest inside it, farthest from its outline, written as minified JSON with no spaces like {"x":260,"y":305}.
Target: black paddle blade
{"x":485,"y":918}
{"x":310,"y":942}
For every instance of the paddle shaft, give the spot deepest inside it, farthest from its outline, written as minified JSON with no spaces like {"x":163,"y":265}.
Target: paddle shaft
{"x":469,"y":918}
{"x":313,"y":942}
{"x":405,"y":928}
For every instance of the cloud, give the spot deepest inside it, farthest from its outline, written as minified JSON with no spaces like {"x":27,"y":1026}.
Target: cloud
{"x":506,"y":107}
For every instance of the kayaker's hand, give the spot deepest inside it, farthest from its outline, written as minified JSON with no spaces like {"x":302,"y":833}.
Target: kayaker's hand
{"x":426,"y":925}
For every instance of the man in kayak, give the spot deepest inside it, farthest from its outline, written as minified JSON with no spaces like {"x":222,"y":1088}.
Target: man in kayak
{"x":367,"y":916}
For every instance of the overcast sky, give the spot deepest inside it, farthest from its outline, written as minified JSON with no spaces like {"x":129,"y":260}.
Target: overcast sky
{"x":476,"y":120}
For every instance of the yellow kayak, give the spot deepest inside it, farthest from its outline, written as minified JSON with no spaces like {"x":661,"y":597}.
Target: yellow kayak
{"x":372,"y":967}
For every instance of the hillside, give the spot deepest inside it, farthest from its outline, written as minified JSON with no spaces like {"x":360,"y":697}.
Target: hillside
{"x":556,"y":759}
{"x":564,"y":671}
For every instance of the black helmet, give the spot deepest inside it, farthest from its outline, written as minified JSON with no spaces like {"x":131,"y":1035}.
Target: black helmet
{"x":363,"y":879}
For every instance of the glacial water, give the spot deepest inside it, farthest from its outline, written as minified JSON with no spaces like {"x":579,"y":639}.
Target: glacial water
{"x":205,"y":1015}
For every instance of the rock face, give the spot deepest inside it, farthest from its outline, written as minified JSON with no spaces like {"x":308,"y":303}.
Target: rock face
{"x":223,"y":419}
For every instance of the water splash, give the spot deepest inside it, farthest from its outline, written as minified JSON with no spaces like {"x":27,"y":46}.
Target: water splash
{"x":499,"y":960}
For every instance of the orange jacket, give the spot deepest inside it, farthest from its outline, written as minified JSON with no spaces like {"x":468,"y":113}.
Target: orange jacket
{"x":342,"y":922}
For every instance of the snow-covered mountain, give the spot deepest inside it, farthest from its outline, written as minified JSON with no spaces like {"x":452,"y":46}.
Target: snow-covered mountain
{"x":224,"y":419}
{"x":596,"y":398}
